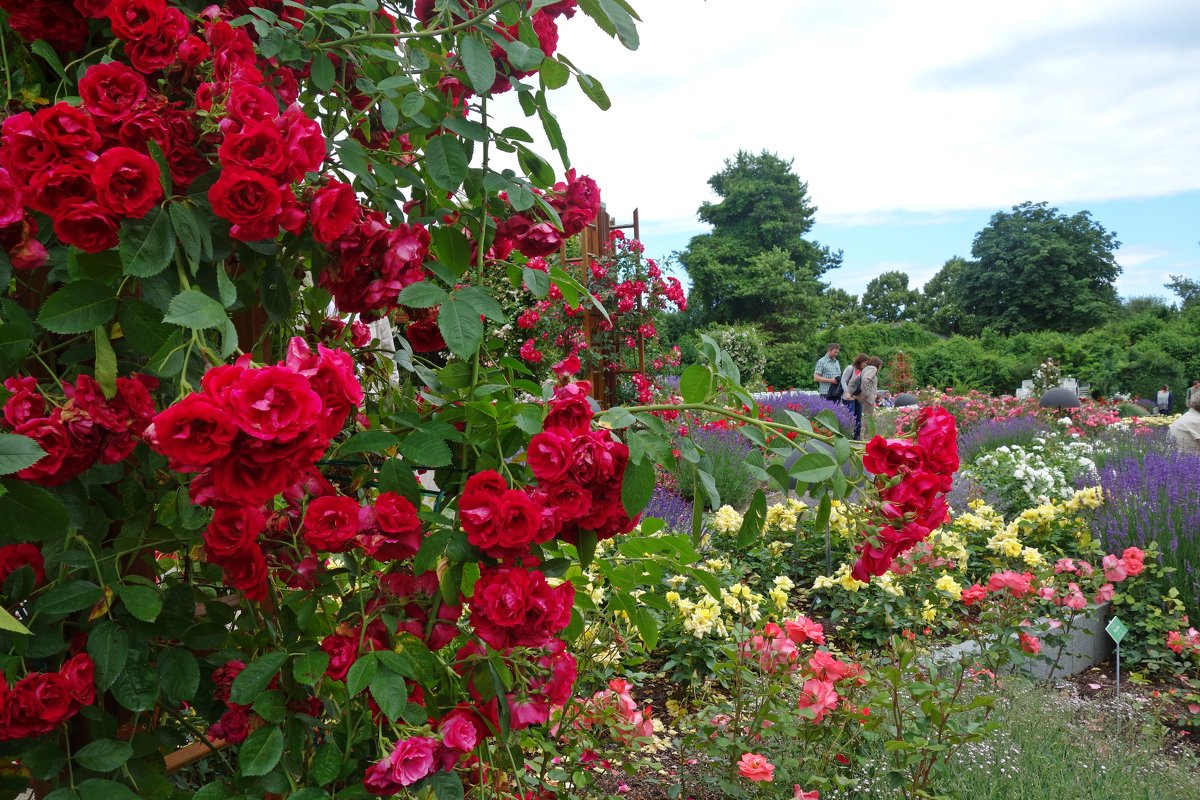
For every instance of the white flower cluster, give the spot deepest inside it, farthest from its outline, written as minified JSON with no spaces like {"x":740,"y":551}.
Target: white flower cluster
{"x":1035,"y":475}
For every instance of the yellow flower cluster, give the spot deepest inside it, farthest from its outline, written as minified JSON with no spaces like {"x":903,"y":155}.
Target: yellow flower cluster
{"x":841,"y":578}
{"x":726,"y":520}
{"x":741,"y":600}
{"x":702,"y":617}
{"x":785,"y":516}
{"x":1091,"y":497}
{"x":950,"y":586}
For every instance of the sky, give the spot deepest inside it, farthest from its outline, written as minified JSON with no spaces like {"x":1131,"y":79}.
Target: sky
{"x":911,"y":122}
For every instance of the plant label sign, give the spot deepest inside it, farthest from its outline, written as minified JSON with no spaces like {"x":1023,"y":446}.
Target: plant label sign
{"x":1116,"y":629}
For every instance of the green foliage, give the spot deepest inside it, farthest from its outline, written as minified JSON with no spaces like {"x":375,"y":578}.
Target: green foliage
{"x":1037,"y":269}
{"x":889,"y":299}
{"x":746,"y":346}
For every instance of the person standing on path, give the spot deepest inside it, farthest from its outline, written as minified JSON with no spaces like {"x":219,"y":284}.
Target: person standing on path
{"x":828,"y":371}
{"x":849,"y":377}
{"x":868,"y":391}
{"x":1186,"y":429}
{"x":1163,"y":401}
{"x":1192,"y":392}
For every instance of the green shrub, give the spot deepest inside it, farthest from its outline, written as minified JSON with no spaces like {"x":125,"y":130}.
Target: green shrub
{"x":746,"y":346}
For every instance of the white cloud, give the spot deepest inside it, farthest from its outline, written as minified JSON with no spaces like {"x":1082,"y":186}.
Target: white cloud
{"x":893,"y":106}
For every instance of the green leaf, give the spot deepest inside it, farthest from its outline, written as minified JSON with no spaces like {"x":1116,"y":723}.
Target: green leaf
{"x":10,"y":623}
{"x":397,"y":476}
{"x":482,"y":302}
{"x":189,"y":232}
{"x":453,"y":249}
{"x":78,"y":307}
{"x":106,"y":363}
{"x":31,"y":513}
{"x":586,"y":547}
{"x":537,"y":281}
{"x":813,"y":468}
{"x":271,"y":706}
{"x":626,"y":29}
{"x":147,"y":245}
{"x":193,"y":309}
{"x":143,"y":602}
{"x":460,"y":327}
{"x":18,"y":452}
{"x":554,"y":74}
{"x":594,"y":91}
{"x":96,"y":789}
{"x":275,"y":293}
{"x":261,"y":751}
{"x":108,"y":645}
{"x":326,"y":763}
{"x":310,"y":666}
{"x":423,"y":294}
{"x":479,"y":64}
{"x":361,"y":673}
{"x":695,"y":384}
{"x":446,"y":161}
{"x":104,"y":755}
{"x":142,"y":326}
{"x":425,"y":449}
{"x":42,"y":48}
{"x":445,"y":786}
{"x":225,"y":288}
{"x":637,"y":486}
{"x":322,"y":72}
{"x":752,"y":520}
{"x":253,"y":680}
{"x":66,"y":598}
{"x":389,"y":692}
{"x":368,"y":442}
{"x":178,"y":673}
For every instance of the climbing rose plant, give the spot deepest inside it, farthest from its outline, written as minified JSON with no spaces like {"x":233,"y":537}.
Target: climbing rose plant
{"x":270,"y":481}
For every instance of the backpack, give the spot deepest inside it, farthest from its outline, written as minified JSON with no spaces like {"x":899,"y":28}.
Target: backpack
{"x":835,"y":392}
{"x":855,"y":384}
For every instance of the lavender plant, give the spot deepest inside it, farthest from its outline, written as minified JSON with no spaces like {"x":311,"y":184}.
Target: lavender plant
{"x":807,"y":403}
{"x":725,"y":451}
{"x":1155,"y":499}
{"x":671,"y":508}
{"x":988,"y":435}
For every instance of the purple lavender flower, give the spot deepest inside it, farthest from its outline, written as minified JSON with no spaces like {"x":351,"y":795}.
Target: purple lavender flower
{"x":805,"y":403}
{"x":987,"y":435}
{"x":671,"y":508}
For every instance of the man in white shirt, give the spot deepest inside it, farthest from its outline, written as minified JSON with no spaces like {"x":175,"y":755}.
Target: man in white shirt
{"x":1186,"y":429}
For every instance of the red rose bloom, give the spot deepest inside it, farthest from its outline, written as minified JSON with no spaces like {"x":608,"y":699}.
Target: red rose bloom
{"x":303,"y":142}
{"x":231,"y":529}
{"x":65,"y":184}
{"x":79,"y":673}
{"x":66,"y":128}
{"x":343,"y":652}
{"x":550,"y":455}
{"x":569,"y":408}
{"x":88,"y":226}
{"x":127,"y":182}
{"x":273,"y":403}
{"x":334,"y":207}
{"x":112,"y":91}
{"x":399,"y":530}
{"x":193,"y":433}
{"x":424,"y":336}
{"x":331,"y":523}
{"x":513,"y":607}
{"x":889,"y":456}
{"x":258,"y":146}
{"x":136,"y":19}
{"x":246,"y":570}
{"x":250,"y":200}
{"x":15,"y":556}
{"x":159,"y":50}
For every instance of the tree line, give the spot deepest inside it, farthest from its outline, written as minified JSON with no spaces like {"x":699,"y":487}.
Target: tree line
{"x":1038,"y":284}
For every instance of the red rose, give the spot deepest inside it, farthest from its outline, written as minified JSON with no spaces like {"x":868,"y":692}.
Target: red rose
{"x":249,"y":200}
{"x":330,"y":373}
{"x":24,"y":251}
{"x":15,"y":556}
{"x":193,"y":433}
{"x":246,"y":570}
{"x":501,"y":523}
{"x":258,"y":146}
{"x":231,"y":529}
{"x":232,"y":727}
{"x":12,"y":203}
{"x":398,"y":533}
{"x":136,"y":19}
{"x":331,"y":523}
{"x":40,"y":702}
{"x":890,"y":456}
{"x":550,"y":455}
{"x":53,"y":20}
{"x":67,"y":128}
{"x":193,"y":51}
{"x":424,"y":336}
{"x":87,"y":226}
{"x":127,"y":182}
{"x":418,"y":597}
{"x":570,"y":408}
{"x":160,"y":50}
{"x":65,"y":458}
{"x":273,"y":403}
{"x":112,"y":91}
{"x":343,"y":652}
{"x":64,"y":184}
{"x":303,"y":142}
{"x":24,"y":151}
{"x":256,"y":471}
{"x":334,"y":207}
{"x":513,"y":607}
{"x":25,"y":402}
{"x":937,"y":435}
{"x":79,"y":673}
{"x":248,"y":103}
{"x":541,"y":239}
{"x":458,"y":731}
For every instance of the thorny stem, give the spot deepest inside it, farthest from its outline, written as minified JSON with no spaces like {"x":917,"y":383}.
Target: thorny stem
{"x":369,"y":37}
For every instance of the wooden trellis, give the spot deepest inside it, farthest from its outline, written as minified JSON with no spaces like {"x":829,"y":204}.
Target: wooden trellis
{"x":593,"y":242}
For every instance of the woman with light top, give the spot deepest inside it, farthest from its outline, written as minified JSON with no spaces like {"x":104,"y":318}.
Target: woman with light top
{"x":868,"y":390}
{"x":1186,"y":429}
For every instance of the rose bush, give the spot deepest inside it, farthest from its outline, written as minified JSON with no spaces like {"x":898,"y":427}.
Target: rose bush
{"x":271,"y":481}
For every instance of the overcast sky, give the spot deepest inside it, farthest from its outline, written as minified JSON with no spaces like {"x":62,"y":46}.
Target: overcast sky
{"x":912,"y":122}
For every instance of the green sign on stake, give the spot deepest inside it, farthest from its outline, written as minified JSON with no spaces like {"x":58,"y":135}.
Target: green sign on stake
{"x":1117,"y":630}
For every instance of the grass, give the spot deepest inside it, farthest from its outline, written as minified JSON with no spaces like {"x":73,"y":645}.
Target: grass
{"x":1054,"y":746}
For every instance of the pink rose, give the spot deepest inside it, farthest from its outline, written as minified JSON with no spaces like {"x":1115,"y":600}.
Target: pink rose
{"x":755,"y":767}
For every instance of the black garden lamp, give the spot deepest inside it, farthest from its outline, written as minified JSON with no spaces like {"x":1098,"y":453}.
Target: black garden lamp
{"x":1059,"y":398}
{"x":904,"y":399}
